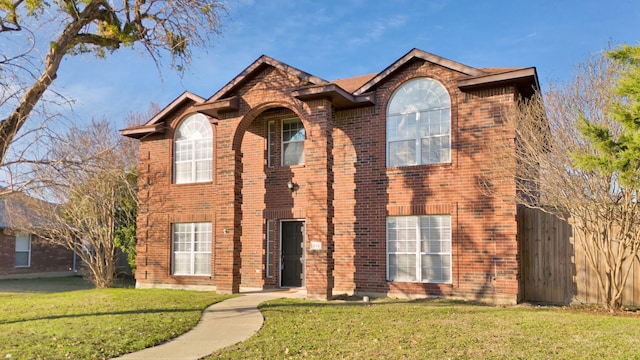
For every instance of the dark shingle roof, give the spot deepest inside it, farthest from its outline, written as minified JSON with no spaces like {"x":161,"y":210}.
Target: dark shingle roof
{"x":16,"y":204}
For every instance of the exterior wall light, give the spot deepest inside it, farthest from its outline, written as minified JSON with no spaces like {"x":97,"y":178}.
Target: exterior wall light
{"x":291,"y":185}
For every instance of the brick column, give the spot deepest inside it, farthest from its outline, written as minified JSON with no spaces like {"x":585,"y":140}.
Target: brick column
{"x":319,"y":224}
{"x":228,"y":201}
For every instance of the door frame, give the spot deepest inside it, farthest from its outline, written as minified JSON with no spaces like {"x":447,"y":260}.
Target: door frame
{"x":304,"y":251}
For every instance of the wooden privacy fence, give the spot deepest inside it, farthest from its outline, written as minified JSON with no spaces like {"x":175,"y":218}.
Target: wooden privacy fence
{"x":554,"y":268}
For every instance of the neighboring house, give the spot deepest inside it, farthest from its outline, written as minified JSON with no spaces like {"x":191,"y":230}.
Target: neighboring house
{"x":26,"y":255}
{"x":366,"y":185}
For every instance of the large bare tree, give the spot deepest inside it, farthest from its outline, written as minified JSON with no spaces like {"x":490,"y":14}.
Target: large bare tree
{"x":556,"y":157}
{"x":89,"y":197}
{"x":71,"y":27}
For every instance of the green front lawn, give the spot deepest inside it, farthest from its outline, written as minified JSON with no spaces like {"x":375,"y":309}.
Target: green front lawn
{"x":94,"y":324}
{"x":86,"y":324}
{"x":436,"y":329}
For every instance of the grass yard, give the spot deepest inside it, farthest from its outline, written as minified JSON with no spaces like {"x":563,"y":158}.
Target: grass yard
{"x":65,"y":319}
{"x":436,"y":329}
{"x":92,"y":324}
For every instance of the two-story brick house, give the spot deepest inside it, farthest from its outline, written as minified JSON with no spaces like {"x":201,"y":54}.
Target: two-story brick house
{"x":366,"y":185}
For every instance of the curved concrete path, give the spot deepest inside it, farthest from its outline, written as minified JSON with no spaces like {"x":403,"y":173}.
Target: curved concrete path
{"x":223,"y":324}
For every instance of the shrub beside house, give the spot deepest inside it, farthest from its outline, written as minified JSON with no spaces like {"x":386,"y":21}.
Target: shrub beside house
{"x":366,"y":185}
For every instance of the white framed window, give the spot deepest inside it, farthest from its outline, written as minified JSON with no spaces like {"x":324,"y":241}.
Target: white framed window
{"x":191,"y":253}
{"x":193,"y":150}
{"x":271,"y":144}
{"x":293,"y":136}
{"x":419,"y":249}
{"x":419,"y":124}
{"x":23,"y":250}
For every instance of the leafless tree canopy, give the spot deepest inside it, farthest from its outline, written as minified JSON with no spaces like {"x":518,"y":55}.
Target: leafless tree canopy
{"x":543,"y":159}
{"x":85,"y":196}
{"x":71,"y":27}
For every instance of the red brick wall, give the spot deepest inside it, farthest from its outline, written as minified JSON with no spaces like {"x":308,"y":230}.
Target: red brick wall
{"x":345,"y":193}
{"x":163,"y":203}
{"x":45,"y":258}
{"x":484,"y":254}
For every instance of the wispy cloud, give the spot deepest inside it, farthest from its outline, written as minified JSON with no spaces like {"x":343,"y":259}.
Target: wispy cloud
{"x":89,"y":96}
{"x":378,"y":29}
{"x":438,"y":5}
{"x":520,"y":39}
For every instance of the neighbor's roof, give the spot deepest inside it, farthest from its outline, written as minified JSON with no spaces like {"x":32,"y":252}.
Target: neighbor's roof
{"x":14,"y":204}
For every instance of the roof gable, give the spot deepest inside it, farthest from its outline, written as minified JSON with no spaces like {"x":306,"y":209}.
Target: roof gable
{"x":179,"y":101}
{"x":410,"y":56}
{"x":256,"y":68}
{"x":155,"y":125}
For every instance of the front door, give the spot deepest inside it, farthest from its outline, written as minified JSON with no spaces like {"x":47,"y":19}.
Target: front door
{"x":292,"y":257}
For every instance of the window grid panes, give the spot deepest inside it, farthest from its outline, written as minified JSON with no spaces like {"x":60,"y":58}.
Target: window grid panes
{"x":193,"y":150}
{"x":293,"y":135}
{"x":23,"y":250}
{"x":419,"y":124}
{"x":191,"y":249}
{"x":419,"y":249}
{"x":271,"y":226}
{"x":271,"y":144}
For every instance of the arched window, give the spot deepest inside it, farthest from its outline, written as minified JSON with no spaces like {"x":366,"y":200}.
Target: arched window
{"x":419,"y":124}
{"x":193,"y":150}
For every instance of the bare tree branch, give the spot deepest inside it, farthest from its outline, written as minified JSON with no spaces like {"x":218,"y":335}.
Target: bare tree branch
{"x":604,"y":213}
{"x":87,"y":197}
{"x":96,"y":26}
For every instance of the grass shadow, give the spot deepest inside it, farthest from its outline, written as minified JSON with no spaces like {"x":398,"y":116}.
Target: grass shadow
{"x":57,"y":284}
{"x":106,"y":313}
{"x":350,"y":300}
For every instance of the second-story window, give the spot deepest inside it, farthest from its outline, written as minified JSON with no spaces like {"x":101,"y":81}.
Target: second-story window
{"x":419,"y":124}
{"x":193,"y":150}
{"x":293,"y":136}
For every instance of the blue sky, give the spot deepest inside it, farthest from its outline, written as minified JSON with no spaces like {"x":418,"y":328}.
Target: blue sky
{"x":335,"y":39}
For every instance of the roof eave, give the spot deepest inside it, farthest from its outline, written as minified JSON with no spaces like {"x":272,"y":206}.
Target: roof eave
{"x":339,"y":97}
{"x":213,"y":109}
{"x":142,"y":131}
{"x":526,"y":80}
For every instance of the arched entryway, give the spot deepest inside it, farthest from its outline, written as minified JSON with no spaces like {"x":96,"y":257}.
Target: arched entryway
{"x":273,"y":197}
{"x":271,"y":182}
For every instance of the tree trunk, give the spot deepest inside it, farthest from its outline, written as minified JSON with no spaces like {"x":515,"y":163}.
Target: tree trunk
{"x":14,"y":122}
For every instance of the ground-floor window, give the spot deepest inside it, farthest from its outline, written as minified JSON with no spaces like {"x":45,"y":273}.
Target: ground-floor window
{"x":419,"y":248}
{"x":191,"y":249}
{"x":23,"y":250}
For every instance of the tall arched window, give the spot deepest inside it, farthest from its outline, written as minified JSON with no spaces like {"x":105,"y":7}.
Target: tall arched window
{"x":193,"y":150}
{"x":419,"y":124}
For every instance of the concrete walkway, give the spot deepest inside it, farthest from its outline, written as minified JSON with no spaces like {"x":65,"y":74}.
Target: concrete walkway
{"x":223,"y":324}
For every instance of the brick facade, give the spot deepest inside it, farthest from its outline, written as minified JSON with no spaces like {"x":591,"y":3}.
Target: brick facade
{"x":45,"y":258}
{"x":344,"y":192}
